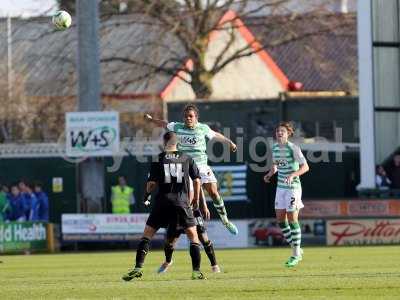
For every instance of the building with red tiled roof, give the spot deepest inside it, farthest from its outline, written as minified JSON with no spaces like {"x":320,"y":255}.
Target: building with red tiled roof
{"x":318,"y":51}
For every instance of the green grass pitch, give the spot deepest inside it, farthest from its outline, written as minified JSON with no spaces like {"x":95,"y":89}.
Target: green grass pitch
{"x":325,"y":273}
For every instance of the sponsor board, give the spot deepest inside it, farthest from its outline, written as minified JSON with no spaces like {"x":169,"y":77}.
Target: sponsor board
{"x":112,"y":237}
{"x":363,"y":231}
{"x":220,"y":236}
{"x":373,"y":208}
{"x":103,"y":227}
{"x":320,"y":209}
{"x":351,"y":208}
{"x":266,"y":232}
{"x":23,"y":236}
{"x":92,"y":133}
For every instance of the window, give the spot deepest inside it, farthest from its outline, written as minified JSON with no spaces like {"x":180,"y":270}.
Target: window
{"x":387,"y":134}
{"x":386,"y":67}
{"x":385,"y":20}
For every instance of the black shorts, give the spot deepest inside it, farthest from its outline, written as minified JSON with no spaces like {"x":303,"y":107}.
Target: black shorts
{"x":166,"y":214}
{"x":175,"y":232}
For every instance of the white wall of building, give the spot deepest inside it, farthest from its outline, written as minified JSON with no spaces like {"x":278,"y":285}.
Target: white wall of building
{"x":246,"y":78}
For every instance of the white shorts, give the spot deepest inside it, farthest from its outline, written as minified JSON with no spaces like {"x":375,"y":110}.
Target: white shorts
{"x":206,"y":174}
{"x":288,"y":199}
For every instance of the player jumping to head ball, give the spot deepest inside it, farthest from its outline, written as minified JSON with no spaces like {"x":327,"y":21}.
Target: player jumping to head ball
{"x":290,"y":163}
{"x":192,"y":140}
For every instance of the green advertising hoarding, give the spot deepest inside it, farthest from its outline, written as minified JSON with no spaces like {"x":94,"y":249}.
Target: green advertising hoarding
{"x":23,"y":236}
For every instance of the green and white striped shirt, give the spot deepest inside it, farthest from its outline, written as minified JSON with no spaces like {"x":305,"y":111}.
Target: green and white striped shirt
{"x":192,"y":141}
{"x":287,"y":159}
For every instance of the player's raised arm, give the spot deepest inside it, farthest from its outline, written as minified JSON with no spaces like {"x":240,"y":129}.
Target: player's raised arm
{"x":220,"y":137}
{"x":157,"y":122}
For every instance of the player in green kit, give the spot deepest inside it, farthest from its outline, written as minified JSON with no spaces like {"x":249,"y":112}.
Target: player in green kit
{"x":192,"y":137}
{"x":290,"y":163}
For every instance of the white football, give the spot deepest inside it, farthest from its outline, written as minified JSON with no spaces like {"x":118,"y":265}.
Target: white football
{"x":62,"y":20}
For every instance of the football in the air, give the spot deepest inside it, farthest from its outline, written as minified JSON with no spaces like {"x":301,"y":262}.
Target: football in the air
{"x":62,"y":20}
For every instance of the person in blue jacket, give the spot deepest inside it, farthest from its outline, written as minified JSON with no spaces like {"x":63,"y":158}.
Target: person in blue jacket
{"x":42,"y":203}
{"x":32,"y":203}
{"x":27,"y":198}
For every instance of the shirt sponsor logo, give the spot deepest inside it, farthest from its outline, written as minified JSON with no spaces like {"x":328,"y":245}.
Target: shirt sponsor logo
{"x":281,"y":162}
{"x":188,"y":140}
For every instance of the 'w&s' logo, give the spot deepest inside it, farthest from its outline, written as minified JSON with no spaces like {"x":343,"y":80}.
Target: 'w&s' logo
{"x":93,"y":140}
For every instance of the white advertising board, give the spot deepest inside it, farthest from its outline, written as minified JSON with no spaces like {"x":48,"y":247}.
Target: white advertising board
{"x":92,"y":133}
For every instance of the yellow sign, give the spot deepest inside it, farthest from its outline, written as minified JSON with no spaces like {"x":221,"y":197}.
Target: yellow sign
{"x":58,"y":185}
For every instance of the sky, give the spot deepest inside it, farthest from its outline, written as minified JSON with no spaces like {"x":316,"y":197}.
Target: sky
{"x":27,"y":8}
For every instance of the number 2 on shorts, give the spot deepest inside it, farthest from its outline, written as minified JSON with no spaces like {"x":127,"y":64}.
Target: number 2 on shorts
{"x":292,"y":201}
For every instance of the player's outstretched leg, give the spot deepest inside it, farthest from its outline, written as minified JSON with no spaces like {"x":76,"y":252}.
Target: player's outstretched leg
{"x":219,"y":205}
{"x":141,"y":252}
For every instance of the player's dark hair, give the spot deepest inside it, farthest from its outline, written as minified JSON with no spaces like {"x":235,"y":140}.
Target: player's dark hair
{"x":190,"y":107}
{"x":170,"y":138}
{"x":289,"y":127}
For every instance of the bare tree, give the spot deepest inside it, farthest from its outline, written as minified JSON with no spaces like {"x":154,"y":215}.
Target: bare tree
{"x":184,"y":29}
{"x":152,"y":38}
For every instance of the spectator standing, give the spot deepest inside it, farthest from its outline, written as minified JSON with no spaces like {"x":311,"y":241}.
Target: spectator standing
{"x":32,"y":202}
{"x":4,"y":206}
{"x":43,"y":203}
{"x":394,"y":171}
{"x":381,"y":179}
{"x":122,"y":197}
{"x":16,"y":203}
{"x":27,"y":199}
